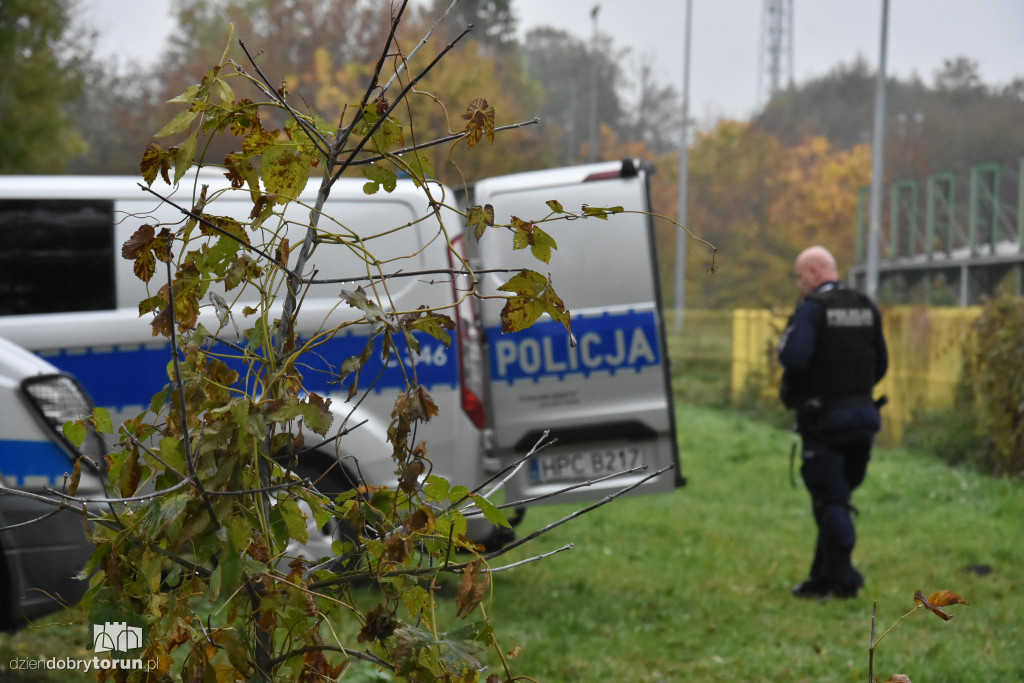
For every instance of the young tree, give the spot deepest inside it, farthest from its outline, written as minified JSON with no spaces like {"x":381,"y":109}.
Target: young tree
{"x":207,"y":495}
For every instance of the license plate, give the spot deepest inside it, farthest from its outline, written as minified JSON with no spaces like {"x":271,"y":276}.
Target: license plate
{"x":583,"y":465}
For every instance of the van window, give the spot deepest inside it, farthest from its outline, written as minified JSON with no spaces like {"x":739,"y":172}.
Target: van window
{"x":56,"y":255}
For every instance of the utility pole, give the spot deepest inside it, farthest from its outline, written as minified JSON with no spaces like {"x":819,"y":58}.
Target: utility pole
{"x":877,"y":163}
{"x":594,"y":133}
{"x":679,"y":299}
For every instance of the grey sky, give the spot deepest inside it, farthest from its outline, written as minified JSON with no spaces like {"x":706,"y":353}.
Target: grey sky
{"x":726,"y":38}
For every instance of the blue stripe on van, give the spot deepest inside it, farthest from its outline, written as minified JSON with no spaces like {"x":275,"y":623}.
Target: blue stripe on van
{"x":20,"y":459}
{"x":121,"y":377}
{"x":610,"y":342}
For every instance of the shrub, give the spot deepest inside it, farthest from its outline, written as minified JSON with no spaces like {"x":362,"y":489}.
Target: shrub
{"x":995,"y":379}
{"x":984,"y":428}
{"x":952,"y":435}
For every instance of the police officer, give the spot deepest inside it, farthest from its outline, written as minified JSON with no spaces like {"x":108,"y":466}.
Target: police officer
{"x":832,"y":353}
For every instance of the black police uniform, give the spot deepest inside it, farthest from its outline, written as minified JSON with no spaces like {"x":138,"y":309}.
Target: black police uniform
{"x":833,"y":353}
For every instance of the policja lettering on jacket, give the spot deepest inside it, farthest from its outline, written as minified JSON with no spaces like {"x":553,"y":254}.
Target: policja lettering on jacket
{"x":850,"y":317}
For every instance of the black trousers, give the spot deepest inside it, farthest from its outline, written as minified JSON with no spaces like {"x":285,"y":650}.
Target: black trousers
{"x":833,"y":467}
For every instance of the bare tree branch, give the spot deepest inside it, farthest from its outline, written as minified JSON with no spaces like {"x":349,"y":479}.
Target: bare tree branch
{"x":319,"y":141}
{"x":604,"y":501}
{"x":573,"y":487}
{"x":529,"y":560}
{"x":439,"y":141}
{"x":34,"y":520}
{"x":354,"y":654}
{"x":180,"y":383}
{"x":455,"y":568}
{"x":423,"y":41}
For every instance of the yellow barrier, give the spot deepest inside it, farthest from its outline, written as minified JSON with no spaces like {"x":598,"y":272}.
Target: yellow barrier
{"x":926,"y":349}
{"x":755,"y":338}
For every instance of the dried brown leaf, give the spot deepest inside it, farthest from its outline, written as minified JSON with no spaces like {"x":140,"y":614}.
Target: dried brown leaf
{"x":939,"y":600}
{"x":945,"y":598}
{"x":138,"y":242}
{"x":472,"y":589}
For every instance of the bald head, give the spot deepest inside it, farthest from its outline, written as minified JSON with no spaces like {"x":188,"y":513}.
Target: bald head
{"x":814,"y":266}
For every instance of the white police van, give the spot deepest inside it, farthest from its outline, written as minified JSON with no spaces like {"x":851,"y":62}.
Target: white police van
{"x":68,"y":296}
{"x":606,"y":397}
{"x":41,"y":549}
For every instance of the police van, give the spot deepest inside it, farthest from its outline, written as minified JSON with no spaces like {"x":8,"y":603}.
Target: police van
{"x":41,"y":548}
{"x":603,"y":391}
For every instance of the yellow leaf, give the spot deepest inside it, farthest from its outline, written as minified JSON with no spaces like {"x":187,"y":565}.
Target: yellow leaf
{"x":155,"y":160}
{"x":480,"y":118}
{"x":480,"y":218}
{"x":145,"y":266}
{"x":529,"y":235}
{"x":285,"y":170}
{"x":534,"y":297}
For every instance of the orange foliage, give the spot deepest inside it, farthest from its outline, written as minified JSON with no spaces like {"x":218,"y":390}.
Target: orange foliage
{"x":760,"y":203}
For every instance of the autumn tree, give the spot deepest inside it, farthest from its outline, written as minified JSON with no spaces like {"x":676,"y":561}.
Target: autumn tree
{"x":39,"y":61}
{"x":949,"y":125}
{"x":960,"y":76}
{"x":115,"y":114}
{"x":474,"y":69}
{"x":654,"y":112}
{"x":119,"y":108}
{"x":761,"y":202}
{"x":817,"y":197}
{"x":562,"y":64}
{"x":288,"y":34}
{"x":493,"y":21}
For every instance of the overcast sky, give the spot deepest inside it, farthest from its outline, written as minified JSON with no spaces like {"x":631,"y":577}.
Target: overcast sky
{"x":726,"y":38}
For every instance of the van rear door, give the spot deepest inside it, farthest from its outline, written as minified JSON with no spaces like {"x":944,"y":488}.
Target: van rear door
{"x":607,"y":399}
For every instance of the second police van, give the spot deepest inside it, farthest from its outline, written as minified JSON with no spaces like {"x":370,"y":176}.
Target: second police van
{"x":603,"y":392}
{"x":42,"y":547}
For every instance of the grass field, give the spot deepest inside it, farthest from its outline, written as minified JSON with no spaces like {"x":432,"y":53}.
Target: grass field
{"x":695,"y":585}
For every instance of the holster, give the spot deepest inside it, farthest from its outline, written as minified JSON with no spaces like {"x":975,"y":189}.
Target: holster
{"x":808,"y":413}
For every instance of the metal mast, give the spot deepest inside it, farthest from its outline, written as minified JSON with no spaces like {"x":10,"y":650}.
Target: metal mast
{"x":775,"y":61}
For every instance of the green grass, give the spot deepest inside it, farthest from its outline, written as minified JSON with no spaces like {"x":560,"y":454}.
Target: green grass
{"x":694,"y":585}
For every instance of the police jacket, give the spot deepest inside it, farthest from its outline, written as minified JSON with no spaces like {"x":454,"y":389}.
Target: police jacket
{"x":833,"y":353}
